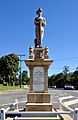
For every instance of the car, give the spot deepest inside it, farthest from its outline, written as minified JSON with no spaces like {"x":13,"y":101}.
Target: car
{"x":69,"y":87}
{"x":54,"y":86}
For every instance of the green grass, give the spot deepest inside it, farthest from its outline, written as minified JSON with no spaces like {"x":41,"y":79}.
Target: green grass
{"x":9,"y":88}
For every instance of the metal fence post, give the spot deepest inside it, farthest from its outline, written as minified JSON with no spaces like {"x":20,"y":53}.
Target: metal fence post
{"x":16,"y":101}
{"x":76,"y":114}
{"x":2,"y":114}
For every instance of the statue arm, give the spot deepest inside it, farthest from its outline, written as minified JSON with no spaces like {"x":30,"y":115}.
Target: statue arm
{"x":44,"y":23}
{"x":36,"y":22}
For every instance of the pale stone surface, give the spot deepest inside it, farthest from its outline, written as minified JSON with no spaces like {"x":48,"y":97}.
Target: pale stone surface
{"x":38,"y":79}
{"x":38,"y":97}
{"x":45,"y":63}
{"x":40,"y":23}
{"x":38,"y":63}
{"x":38,"y":102}
{"x":39,"y":107}
{"x":38,"y":53}
{"x":46,"y":50}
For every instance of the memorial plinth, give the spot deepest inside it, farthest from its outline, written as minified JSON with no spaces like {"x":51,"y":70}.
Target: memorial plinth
{"x":38,"y":97}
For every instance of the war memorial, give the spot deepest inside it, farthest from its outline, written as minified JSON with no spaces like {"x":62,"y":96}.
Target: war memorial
{"x":38,"y":105}
{"x":38,"y":63}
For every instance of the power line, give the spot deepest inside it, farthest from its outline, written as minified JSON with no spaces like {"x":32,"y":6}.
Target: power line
{"x":62,"y":59}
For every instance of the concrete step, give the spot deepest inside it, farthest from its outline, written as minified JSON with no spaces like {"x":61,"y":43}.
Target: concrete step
{"x":38,"y":97}
{"x":37,"y":118}
{"x":39,"y":106}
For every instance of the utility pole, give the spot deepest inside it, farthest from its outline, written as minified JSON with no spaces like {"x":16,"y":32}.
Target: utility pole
{"x":20,"y":59}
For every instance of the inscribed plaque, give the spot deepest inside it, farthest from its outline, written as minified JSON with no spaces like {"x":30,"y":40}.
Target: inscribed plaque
{"x":38,"y":79}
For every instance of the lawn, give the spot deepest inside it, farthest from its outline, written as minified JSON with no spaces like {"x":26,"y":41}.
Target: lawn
{"x":9,"y":88}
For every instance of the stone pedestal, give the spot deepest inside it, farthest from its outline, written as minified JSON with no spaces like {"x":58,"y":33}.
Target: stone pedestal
{"x":38,"y":102}
{"x":38,"y":97}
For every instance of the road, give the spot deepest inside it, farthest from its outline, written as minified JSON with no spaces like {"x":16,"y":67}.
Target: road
{"x":9,"y":97}
{"x":58,"y":93}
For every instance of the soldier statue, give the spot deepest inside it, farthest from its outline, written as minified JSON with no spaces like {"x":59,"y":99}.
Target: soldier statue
{"x":40,"y":23}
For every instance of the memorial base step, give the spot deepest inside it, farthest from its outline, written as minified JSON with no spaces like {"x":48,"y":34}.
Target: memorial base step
{"x":38,"y":107}
{"x":38,"y":97}
{"x":37,"y":118}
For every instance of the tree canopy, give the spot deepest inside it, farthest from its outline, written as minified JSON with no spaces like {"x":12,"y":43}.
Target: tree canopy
{"x":9,"y":66}
{"x":66,"y":77}
{"x":25,"y":78}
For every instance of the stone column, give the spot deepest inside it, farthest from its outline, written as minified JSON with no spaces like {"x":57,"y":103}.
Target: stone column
{"x":46,"y":78}
{"x":31,"y":78}
{"x":38,"y":97}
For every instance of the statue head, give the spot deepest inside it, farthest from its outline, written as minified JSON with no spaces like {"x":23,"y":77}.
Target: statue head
{"x":39,"y":11}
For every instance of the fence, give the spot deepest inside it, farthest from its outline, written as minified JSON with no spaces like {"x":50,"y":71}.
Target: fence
{"x":4,"y":113}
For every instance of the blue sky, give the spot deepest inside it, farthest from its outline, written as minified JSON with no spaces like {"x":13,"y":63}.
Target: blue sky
{"x":17,"y":30}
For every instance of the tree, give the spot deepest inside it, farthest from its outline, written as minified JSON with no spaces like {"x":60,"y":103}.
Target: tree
{"x":56,"y":80}
{"x":63,"y":78}
{"x":65,"y":72}
{"x":1,"y":80}
{"x":49,"y":81}
{"x":9,"y":65}
{"x":59,"y":80}
{"x":66,"y":69}
{"x":76,"y":68}
{"x":25,"y":78}
{"x":52,"y":80}
{"x":74,"y":79}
